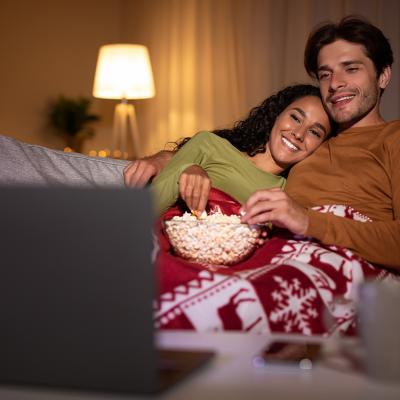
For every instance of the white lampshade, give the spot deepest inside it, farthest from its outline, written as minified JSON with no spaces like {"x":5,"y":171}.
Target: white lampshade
{"x":123,"y":72}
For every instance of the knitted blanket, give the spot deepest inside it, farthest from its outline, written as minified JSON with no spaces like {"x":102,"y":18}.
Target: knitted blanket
{"x":290,"y":284}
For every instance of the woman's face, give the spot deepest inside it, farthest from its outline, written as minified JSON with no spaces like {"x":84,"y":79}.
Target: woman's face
{"x":298,"y":131}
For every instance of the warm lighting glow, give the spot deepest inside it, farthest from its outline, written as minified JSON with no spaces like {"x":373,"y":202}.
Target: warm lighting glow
{"x":105,"y":153}
{"x":117,"y":154}
{"x":123,"y":72}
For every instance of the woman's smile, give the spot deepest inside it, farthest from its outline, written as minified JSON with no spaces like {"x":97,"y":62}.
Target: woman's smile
{"x":297,"y":132}
{"x":289,"y":144}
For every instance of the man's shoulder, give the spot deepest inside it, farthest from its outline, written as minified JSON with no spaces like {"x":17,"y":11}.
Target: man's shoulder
{"x":392,"y":129}
{"x":395,"y":124}
{"x":390,"y":136}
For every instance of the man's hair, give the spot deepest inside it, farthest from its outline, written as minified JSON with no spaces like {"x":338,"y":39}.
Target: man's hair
{"x":353,"y":29}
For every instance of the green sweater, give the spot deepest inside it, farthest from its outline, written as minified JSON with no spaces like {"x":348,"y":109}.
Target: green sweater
{"x":225,"y":165}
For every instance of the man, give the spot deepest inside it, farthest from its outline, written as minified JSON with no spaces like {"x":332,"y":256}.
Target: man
{"x":360,"y":167}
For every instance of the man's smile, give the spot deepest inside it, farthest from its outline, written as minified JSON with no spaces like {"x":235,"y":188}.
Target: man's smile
{"x":341,"y":100}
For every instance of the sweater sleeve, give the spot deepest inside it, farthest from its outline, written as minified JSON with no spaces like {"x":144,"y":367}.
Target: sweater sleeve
{"x":377,"y":242}
{"x":166,"y":185}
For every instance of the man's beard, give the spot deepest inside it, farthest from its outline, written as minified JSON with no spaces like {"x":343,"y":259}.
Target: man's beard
{"x":365,"y":103}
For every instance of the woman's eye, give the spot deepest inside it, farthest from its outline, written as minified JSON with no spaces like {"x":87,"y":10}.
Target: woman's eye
{"x":315,"y":133}
{"x":295,"y":117}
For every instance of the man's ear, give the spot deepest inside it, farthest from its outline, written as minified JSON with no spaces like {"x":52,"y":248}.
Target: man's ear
{"x":384,"y":77}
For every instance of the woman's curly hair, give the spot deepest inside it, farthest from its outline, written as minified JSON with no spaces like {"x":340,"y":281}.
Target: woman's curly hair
{"x":252,"y":134}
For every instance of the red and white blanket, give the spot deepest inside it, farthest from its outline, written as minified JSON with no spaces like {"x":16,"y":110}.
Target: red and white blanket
{"x":290,"y":284}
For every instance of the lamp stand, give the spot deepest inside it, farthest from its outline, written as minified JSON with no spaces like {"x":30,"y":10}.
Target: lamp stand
{"x":125,"y":130}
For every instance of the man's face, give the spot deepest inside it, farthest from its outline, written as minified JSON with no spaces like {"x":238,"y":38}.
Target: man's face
{"x":349,"y":86}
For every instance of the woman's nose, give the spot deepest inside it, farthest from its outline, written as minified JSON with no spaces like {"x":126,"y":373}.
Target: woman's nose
{"x":298,"y":134}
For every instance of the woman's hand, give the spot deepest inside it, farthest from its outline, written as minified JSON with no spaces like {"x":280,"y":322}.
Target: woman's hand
{"x":277,"y":207}
{"x":139,"y":172}
{"x":194,"y":188}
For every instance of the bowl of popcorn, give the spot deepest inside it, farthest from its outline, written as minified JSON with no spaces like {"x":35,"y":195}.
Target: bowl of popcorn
{"x":212,"y":239}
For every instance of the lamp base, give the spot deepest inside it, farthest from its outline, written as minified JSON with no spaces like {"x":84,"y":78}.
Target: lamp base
{"x":126,"y":139}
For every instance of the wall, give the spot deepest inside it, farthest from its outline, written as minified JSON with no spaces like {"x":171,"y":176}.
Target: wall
{"x":49,"y":47}
{"x":215,"y":60}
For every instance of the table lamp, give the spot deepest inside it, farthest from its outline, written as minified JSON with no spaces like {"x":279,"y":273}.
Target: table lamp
{"x":124,"y":72}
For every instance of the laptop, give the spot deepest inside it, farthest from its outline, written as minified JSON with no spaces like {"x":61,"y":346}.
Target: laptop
{"x":76,"y":292}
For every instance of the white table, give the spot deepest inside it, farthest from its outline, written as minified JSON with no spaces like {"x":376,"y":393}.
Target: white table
{"x":231,"y":375}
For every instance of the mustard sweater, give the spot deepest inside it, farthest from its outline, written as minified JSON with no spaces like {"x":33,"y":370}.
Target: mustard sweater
{"x":360,"y":168}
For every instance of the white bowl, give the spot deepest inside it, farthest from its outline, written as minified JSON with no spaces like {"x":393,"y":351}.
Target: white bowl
{"x":212,"y":243}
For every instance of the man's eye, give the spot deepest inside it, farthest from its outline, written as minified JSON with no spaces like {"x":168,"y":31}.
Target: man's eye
{"x":352,"y":69}
{"x":323,"y":75}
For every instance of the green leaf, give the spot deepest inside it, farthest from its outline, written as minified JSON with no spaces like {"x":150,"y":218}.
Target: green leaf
{"x":70,"y":116}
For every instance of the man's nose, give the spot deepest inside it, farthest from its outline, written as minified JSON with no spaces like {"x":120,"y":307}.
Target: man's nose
{"x":336,"y":82}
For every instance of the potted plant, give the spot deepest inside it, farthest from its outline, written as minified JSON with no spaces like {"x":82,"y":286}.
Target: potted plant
{"x":71,"y":118}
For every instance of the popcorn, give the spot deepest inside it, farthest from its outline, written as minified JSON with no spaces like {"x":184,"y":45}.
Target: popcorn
{"x":212,"y":239}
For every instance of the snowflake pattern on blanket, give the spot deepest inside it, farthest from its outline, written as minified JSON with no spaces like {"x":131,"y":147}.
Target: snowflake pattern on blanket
{"x":291,"y":284}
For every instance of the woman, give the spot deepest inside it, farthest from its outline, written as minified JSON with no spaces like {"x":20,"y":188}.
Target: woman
{"x":284,"y":129}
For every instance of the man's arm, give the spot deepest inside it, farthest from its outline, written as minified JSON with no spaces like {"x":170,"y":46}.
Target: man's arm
{"x":378,"y":242}
{"x":28,"y":164}
{"x":139,"y":172}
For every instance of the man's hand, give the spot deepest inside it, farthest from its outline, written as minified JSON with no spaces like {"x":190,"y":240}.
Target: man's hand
{"x":139,"y":172}
{"x":277,"y":207}
{"x":194,"y":187}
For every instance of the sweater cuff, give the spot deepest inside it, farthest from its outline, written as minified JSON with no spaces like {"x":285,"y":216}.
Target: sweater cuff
{"x":317,"y":224}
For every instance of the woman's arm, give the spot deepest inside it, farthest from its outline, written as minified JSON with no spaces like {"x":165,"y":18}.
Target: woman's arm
{"x":177,"y":178}
{"x":194,"y":188}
